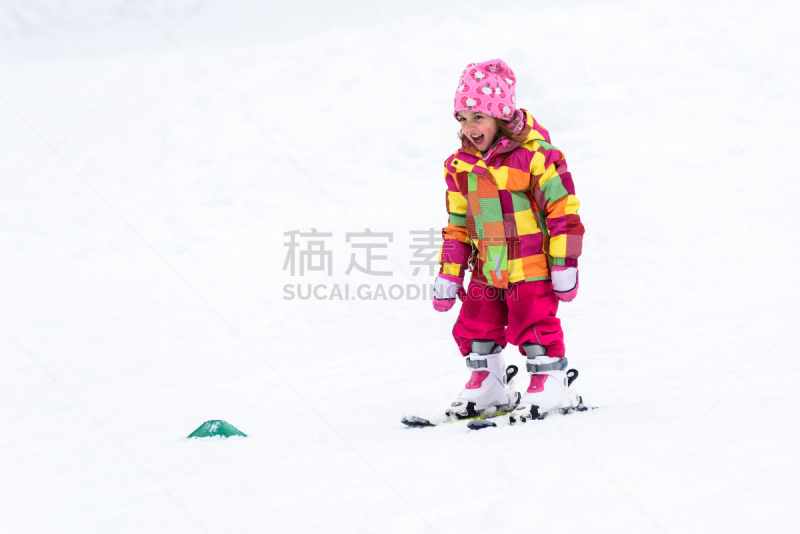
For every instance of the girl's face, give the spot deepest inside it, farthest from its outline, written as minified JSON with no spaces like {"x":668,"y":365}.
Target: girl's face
{"x":479,"y":128}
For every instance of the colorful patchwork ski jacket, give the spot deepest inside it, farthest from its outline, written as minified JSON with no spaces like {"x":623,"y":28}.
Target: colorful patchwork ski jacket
{"x":513,"y":211}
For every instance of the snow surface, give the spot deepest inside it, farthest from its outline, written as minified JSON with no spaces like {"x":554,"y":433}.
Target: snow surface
{"x":154,"y":154}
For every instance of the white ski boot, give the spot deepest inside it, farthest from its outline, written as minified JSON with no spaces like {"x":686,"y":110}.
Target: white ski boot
{"x":490,"y":388}
{"x":549,"y":389}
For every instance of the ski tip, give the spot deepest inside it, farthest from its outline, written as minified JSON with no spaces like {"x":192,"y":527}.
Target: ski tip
{"x":582,"y":407}
{"x":415,"y":422}
{"x":480,"y":423}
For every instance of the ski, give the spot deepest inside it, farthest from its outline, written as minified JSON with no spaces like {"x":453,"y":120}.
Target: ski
{"x":516,"y":420}
{"x":414,"y":421}
{"x":478,"y":421}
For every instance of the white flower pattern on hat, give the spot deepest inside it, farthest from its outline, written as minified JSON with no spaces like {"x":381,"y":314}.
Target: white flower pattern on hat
{"x":477,"y":75}
{"x":495,"y":67}
{"x":470,"y":103}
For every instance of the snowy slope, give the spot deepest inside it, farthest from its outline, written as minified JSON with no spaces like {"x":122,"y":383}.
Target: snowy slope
{"x":156,"y":153}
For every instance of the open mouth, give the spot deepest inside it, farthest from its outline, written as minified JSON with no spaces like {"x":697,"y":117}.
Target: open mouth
{"x":477,"y":139}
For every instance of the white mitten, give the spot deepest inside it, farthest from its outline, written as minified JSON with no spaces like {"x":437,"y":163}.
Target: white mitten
{"x":565,"y":282}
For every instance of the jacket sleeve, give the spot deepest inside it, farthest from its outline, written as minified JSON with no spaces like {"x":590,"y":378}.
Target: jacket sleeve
{"x":456,"y":247}
{"x":555,"y":193}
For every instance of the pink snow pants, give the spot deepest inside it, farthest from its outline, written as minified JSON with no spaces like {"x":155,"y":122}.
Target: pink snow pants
{"x":525,"y":312}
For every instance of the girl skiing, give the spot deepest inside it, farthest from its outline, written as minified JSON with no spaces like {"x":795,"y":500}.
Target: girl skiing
{"x":514,"y":224}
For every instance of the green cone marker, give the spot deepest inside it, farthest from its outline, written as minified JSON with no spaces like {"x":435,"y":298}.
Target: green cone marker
{"x":216,"y":428}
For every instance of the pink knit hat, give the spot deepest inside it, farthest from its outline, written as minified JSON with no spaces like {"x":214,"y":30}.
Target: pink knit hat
{"x":487,"y":87}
